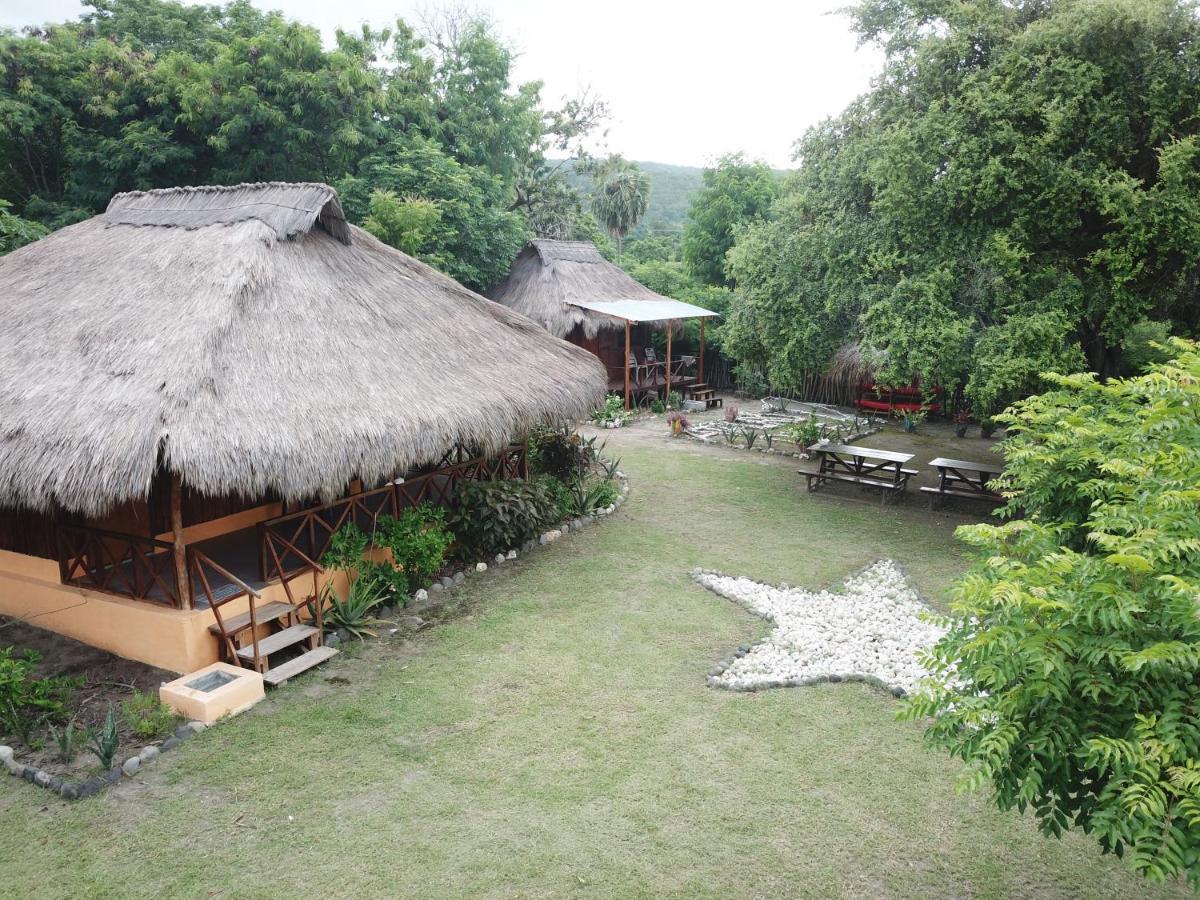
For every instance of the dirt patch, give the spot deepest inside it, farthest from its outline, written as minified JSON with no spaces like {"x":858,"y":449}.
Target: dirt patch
{"x":104,"y":679}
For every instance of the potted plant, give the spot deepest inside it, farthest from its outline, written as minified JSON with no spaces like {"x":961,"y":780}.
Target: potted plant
{"x":961,"y":420}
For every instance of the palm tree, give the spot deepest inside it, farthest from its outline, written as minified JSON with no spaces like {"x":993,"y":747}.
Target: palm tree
{"x":619,"y":194}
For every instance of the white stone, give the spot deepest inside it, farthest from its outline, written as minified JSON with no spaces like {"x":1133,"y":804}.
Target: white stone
{"x":481,"y":567}
{"x":499,"y":559}
{"x":148,"y":754}
{"x":512,"y":554}
{"x":421,"y":595}
{"x":197,"y":726}
{"x":6,"y":753}
{"x":131,"y":765}
{"x":872,"y":630}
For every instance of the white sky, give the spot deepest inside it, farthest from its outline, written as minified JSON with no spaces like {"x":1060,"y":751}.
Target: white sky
{"x":686,"y":82}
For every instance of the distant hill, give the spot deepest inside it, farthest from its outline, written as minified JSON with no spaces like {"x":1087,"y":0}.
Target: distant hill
{"x":672,"y":189}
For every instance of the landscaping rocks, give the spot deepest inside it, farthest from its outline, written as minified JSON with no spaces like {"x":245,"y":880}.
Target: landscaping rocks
{"x":512,"y":554}
{"x":459,"y":577}
{"x":171,"y":743}
{"x":414,"y":623}
{"x":499,"y":559}
{"x":149,"y":754}
{"x":870,"y":632}
{"x":481,"y":567}
{"x":421,"y":595}
{"x":436,"y":588}
{"x":183,"y":732}
{"x":446,"y":582}
{"x":131,"y":765}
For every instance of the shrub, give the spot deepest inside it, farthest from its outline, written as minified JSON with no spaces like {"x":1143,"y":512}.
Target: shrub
{"x":657,"y":406}
{"x":28,"y":702}
{"x":418,"y":540}
{"x":1068,"y":676}
{"x":612,"y":410}
{"x":346,"y":548}
{"x":558,"y":452}
{"x":147,"y":716}
{"x":489,"y":517}
{"x":561,"y":494}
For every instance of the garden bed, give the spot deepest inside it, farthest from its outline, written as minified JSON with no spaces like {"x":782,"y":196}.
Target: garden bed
{"x":783,"y":426}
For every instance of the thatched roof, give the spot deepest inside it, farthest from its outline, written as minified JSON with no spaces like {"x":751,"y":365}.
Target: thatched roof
{"x":548,"y":276}
{"x":252,"y":341}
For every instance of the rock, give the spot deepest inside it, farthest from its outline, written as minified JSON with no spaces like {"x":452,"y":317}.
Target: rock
{"x":344,"y":636}
{"x":564,"y":527}
{"x":113,"y":775}
{"x":480,"y":567}
{"x":6,"y":753}
{"x":196,"y":726}
{"x":421,"y":595}
{"x":90,"y":787}
{"x":27,"y":772}
{"x":69,"y":791}
{"x":55,"y":785}
{"x":436,"y":588}
{"x":41,"y":778}
{"x":414,"y":623}
{"x":332,"y":640}
{"x":527,"y":546}
{"x":459,"y":577}
{"x":183,"y":732}
{"x":499,"y":559}
{"x":149,"y":754}
{"x":512,"y":554}
{"x":446,"y":582}
{"x":131,"y":765}
{"x":14,"y":767}
{"x":170,"y":743}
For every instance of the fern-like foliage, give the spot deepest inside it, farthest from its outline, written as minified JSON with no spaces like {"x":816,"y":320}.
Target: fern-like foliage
{"x":1069,"y":680}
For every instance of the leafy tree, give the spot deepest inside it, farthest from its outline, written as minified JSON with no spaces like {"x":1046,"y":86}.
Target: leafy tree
{"x":407,"y":223}
{"x":619,"y":197}
{"x":16,"y":232}
{"x":1020,"y":168}
{"x":474,"y":236}
{"x":1068,"y":676}
{"x":735,"y":192}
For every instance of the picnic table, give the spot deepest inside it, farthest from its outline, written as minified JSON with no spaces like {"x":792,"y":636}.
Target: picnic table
{"x":883,"y":469}
{"x":963,"y":478}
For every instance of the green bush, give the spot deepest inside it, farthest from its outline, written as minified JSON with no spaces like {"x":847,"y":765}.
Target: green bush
{"x":418,"y":540}
{"x":147,"y":716}
{"x":1069,"y":675}
{"x":490,"y":517}
{"x":561,"y":494}
{"x":558,"y":452}
{"x":27,"y":702}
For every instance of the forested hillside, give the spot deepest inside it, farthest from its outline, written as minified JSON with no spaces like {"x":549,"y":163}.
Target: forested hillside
{"x":672,"y":190}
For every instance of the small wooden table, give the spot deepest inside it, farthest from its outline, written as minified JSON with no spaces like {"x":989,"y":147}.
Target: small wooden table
{"x":882,"y":469}
{"x":962,"y":478}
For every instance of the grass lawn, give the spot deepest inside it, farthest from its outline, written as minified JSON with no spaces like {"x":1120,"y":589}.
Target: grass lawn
{"x":555,"y":737}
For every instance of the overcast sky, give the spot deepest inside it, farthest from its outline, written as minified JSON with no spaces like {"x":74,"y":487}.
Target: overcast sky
{"x":686,"y":81}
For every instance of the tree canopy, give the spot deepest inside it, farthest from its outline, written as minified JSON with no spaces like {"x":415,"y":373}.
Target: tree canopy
{"x":735,"y":192}
{"x":1067,"y":679}
{"x":1017,"y":191}
{"x":139,"y":94}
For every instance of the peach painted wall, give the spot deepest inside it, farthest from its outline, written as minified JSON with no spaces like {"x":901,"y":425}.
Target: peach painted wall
{"x":172,"y":639}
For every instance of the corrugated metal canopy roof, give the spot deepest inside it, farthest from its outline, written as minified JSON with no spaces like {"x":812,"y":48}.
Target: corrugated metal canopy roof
{"x":645,"y":310}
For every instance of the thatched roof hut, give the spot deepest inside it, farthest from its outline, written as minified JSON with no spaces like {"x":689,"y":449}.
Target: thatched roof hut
{"x":250,"y":340}
{"x":553,"y":283}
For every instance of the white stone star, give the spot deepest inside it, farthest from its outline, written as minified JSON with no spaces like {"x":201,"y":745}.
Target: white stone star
{"x":870,"y":631}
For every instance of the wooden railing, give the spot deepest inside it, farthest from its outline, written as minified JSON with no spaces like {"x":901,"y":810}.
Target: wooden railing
{"x":295,"y":542}
{"x":115,"y":563}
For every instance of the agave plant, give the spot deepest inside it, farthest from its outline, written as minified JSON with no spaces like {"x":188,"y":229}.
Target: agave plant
{"x":365,"y":593}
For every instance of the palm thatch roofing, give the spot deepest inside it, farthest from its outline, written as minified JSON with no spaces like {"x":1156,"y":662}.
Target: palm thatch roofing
{"x":250,"y":340}
{"x":565,"y":285}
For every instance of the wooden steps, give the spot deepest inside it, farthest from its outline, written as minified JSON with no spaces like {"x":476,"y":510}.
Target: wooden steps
{"x":273,"y":643}
{"x":277,"y":675}
{"x":268,"y":612}
{"x":702,"y":393}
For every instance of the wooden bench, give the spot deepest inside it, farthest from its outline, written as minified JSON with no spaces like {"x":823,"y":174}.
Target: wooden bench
{"x":864,"y":466}
{"x":962,"y":479}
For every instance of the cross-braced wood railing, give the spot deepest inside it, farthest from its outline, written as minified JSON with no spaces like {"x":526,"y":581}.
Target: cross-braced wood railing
{"x":297,"y":541}
{"x":127,"y":565}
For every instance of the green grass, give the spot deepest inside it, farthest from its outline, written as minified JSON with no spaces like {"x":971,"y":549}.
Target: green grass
{"x":556,"y":737}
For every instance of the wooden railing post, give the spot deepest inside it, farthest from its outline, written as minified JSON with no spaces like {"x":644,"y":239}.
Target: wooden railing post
{"x":182,"y":576}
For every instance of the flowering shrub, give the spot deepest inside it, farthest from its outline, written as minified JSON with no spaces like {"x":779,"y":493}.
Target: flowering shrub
{"x":678,"y":422}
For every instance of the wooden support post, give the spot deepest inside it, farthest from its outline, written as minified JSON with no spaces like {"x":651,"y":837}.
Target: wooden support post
{"x":182,"y":577}
{"x":627,"y":364}
{"x":670,"y":330}
{"x":700,"y":369}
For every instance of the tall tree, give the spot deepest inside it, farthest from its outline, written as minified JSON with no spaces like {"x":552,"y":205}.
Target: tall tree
{"x":1017,"y":191}
{"x":735,"y":193}
{"x":619,"y":195}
